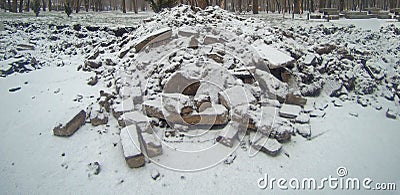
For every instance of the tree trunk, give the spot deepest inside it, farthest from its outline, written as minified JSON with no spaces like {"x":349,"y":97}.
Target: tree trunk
{"x":50,"y":5}
{"x":135,"y":6}
{"x":123,"y":6}
{"x":28,"y":5}
{"x":21,"y":5}
{"x":296,"y":6}
{"x":239,"y":3}
{"x":255,"y":6}
{"x":86,"y":2}
{"x":78,"y":6}
{"x":14,"y":6}
{"x":44,"y":5}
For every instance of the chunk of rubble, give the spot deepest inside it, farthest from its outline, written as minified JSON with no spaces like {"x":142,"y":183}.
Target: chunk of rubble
{"x":332,"y":87}
{"x":282,"y":131}
{"x":302,"y":118}
{"x":157,"y":36}
{"x":193,"y":43}
{"x":187,"y":32}
{"x":153,"y":108}
{"x":72,"y":126}
{"x":236,"y":96}
{"x":151,"y":145}
{"x":98,"y":118}
{"x":274,"y":57}
{"x":135,"y":117}
{"x":289,"y":111}
{"x":304,"y":130}
{"x":181,"y":82}
{"x":211,"y":39}
{"x":391,"y":114}
{"x":124,"y":106}
{"x":317,"y":113}
{"x":177,"y":103}
{"x":295,"y":99}
{"x":214,"y":115}
{"x":228,"y":134}
{"x":310,"y":59}
{"x":136,"y":95}
{"x":202,"y":102}
{"x":268,"y":145}
{"x":131,"y":147}
{"x":324,"y":48}
{"x":271,"y":86}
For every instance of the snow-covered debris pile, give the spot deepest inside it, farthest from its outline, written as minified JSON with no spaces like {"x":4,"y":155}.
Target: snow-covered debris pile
{"x":187,"y":70}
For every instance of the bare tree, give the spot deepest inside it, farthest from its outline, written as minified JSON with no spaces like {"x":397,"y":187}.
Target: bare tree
{"x":123,"y":6}
{"x":21,"y":5}
{"x":255,"y":6}
{"x":44,"y":5}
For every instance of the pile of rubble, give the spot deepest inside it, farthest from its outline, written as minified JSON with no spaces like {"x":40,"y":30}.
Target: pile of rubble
{"x":187,"y":69}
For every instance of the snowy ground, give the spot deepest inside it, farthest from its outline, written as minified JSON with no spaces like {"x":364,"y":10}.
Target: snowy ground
{"x":35,"y":161}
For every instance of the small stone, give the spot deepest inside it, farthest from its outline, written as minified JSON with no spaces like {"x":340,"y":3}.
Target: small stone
{"x":391,"y":114}
{"x":268,"y":145}
{"x":353,"y":114}
{"x":338,"y":103}
{"x":304,"y":130}
{"x":155,"y":175}
{"x":317,"y":113}
{"x":363,"y":101}
{"x":14,"y":89}
{"x":229,"y":160}
{"x":94,"y":168}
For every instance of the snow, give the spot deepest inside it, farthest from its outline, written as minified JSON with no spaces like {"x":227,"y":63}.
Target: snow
{"x":35,"y":161}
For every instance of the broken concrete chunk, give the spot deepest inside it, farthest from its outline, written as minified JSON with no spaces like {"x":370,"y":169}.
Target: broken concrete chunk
{"x":268,"y":145}
{"x":193,"y":43}
{"x":324,"y":48}
{"x":332,"y":87}
{"x":295,"y":99}
{"x":236,"y":96}
{"x":93,"y":64}
{"x":137,"y":95}
{"x":187,"y":32}
{"x":151,"y":145}
{"x":202,"y":102}
{"x":271,"y":86}
{"x":98,"y":118}
{"x":274,"y":57}
{"x":216,"y":57}
{"x":310,"y":59}
{"x":135,"y":117}
{"x":125,"y":106}
{"x":304,"y":130}
{"x":302,"y":118}
{"x":317,"y":113}
{"x":228,"y":134}
{"x":153,"y":108}
{"x":157,"y":36}
{"x":177,"y":103}
{"x":214,"y":115}
{"x":289,"y":111}
{"x":131,"y":147}
{"x":72,"y":126}
{"x":210,"y":39}
{"x":181,"y":82}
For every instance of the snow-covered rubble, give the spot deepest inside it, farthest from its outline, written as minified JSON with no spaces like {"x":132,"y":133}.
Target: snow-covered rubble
{"x":189,"y":69}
